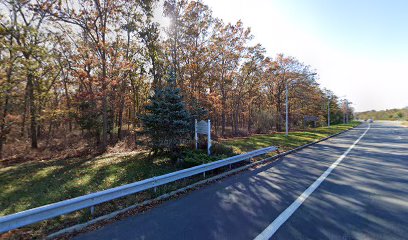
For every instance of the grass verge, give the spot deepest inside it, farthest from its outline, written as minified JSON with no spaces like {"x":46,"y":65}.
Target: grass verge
{"x":34,"y":184}
{"x":295,"y":139}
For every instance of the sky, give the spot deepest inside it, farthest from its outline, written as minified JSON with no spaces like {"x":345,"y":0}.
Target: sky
{"x":359,"y":48}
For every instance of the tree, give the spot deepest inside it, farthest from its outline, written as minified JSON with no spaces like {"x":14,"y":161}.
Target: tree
{"x":7,"y":65}
{"x":248,"y":83}
{"x":30,"y":44}
{"x":101,"y":24}
{"x":227,"y":47}
{"x":167,"y":121}
{"x":92,"y":65}
{"x":137,"y":26}
{"x":174,"y":9}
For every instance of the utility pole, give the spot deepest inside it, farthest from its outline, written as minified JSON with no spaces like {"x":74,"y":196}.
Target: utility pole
{"x":287,"y":111}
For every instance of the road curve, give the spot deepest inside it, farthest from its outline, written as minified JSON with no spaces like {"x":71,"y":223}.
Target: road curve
{"x":364,"y":197}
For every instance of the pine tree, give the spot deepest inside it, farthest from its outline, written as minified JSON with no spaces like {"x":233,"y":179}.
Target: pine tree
{"x":167,"y":121}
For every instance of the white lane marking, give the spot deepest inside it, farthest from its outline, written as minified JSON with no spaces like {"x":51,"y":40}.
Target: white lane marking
{"x":281,"y":219}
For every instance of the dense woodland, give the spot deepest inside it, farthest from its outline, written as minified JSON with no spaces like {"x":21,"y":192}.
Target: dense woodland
{"x":77,"y":75}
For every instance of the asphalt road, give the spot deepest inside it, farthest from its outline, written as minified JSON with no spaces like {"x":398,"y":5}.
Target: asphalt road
{"x":364,"y":197}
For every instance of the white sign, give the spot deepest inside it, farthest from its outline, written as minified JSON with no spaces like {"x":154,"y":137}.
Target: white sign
{"x":203,"y":127}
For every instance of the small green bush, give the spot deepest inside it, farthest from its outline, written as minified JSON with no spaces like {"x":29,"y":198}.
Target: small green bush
{"x":193,"y":158}
{"x":220,"y":149}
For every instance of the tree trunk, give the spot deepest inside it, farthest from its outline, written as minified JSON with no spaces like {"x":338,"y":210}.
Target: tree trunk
{"x":235,"y":118}
{"x":122,"y":89}
{"x":249,"y":118}
{"x":104,"y":102}
{"x":278,"y":117}
{"x":68,"y":100}
{"x":104,"y":118}
{"x":120,"y":119}
{"x":223,"y":117}
{"x":3,"y":125}
{"x":33,"y":113}
{"x":24,"y":117}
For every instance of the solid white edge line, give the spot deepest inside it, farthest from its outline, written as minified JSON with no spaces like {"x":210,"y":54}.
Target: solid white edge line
{"x":285,"y":215}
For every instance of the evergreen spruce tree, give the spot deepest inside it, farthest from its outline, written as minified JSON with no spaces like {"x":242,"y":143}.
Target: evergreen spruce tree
{"x":196,"y":112}
{"x":167,"y":121}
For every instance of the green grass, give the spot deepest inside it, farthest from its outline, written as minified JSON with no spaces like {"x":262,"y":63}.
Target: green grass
{"x":33,"y":184}
{"x":295,"y":139}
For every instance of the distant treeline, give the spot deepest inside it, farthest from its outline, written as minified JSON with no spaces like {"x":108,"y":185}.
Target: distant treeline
{"x":389,"y":114}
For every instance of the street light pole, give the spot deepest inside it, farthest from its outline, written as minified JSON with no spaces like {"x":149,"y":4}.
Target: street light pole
{"x":347,"y":112}
{"x":345,"y":107}
{"x":287,"y":111}
{"x":328,"y":113}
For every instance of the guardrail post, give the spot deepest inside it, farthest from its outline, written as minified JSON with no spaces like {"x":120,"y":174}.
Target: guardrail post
{"x":155,"y":186}
{"x":204,"y":174}
{"x":92,"y":211}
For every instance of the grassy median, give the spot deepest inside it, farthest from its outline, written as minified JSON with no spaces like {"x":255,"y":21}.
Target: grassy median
{"x":34,"y":184}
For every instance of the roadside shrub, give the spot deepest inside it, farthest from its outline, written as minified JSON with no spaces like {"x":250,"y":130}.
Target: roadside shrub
{"x":263,"y":121}
{"x":193,"y":158}
{"x":220,"y":149}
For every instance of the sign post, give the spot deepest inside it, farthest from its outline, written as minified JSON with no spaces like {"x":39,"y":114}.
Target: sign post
{"x":203,"y":127}
{"x":195,"y":134}
{"x":209,"y":138}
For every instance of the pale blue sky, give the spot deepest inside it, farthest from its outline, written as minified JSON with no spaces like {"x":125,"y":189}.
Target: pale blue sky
{"x":373,"y":27}
{"x":358,"y":47}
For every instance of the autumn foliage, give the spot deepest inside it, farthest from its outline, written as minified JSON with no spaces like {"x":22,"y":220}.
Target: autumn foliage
{"x":80,"y":73}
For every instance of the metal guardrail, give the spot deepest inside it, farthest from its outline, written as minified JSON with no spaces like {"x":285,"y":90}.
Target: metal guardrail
{"x":20,"y":219}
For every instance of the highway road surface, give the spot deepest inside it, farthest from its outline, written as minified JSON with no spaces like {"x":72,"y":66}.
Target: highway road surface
{"x":353,"y":186}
